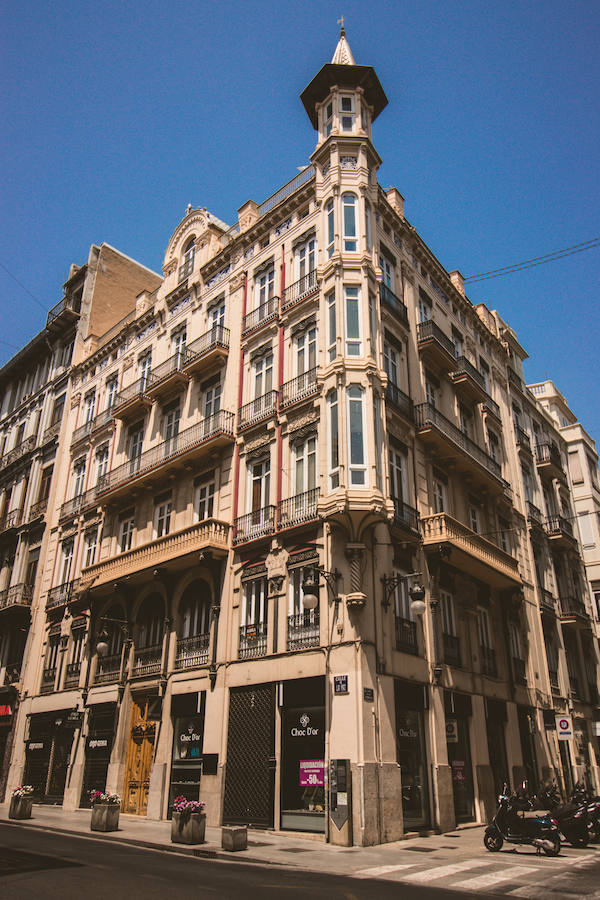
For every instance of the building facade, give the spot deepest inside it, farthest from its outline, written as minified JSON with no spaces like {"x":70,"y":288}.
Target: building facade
{"x":300,"y":421}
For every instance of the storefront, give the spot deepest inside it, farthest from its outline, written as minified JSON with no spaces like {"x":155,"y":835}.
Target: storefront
{"x":7,"y":721}
{"x":48,"y":753}
{"x":458,"y":716}
{"x":495,"y":722}
{"x":527,"y":729}
{"x":187,"y":713}
{"x":411,"y":701}
{"x":98,"y":746}
{"x":303,"y":755}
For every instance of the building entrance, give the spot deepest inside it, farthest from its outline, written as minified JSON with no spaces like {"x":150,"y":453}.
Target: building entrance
{"x":458,"y":712}
{"x":411,"y":701}
{"x":47,"y":755}
{"x":139,"y":758}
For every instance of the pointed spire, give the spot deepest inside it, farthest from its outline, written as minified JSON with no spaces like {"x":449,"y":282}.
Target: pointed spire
{"x":343,"y":53}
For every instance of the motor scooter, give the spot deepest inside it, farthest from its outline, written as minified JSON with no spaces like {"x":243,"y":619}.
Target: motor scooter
{"x":510,"y":824}
{"x":573,"y":817}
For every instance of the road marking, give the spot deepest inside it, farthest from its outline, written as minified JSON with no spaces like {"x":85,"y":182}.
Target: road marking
{"x":375,"y":871}
{"x":484,"y":881}
{"x":444,"y":871}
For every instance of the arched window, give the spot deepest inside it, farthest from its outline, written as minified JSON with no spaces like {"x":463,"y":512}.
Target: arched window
{"x":187,"y":262}
{"x":349,"y":218}
{"x":150,"y":622}
{"x":194,"y":609}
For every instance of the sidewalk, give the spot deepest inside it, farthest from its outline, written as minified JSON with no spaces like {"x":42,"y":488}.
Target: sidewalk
{"x":264,"y":847}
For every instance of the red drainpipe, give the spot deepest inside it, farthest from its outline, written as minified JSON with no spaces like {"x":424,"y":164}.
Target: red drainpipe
{"x":280,"y":382}
{"x":236,"y":477}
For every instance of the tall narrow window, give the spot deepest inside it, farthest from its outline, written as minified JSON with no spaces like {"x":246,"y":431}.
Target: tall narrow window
{"x":216,"y":316}
{"x":305,"y":465}
{"x":89,"y":405}
{"x":356,"y":436}
{"x":483,"y":628}
{"x":378,"y":437}
{"x":212,"y":400}
{"x":439,"y":495}
{"x":328,"y":119}
{"x":330,"y":215}
{"x":447,"y":613}
{"x":205,"y":498}
{"x":171,"y":419}
{"x":111,"y":391}
{"x":187,"y":261}
{"x":162,"y":517}
{"x":126,"y":534}
{"x":265,"y":286}
{"x":347,"y":113}
{"x":424,"y":307}
{"x":368,"y":224}
{"x":78,"y":477}
{"x":391,"y":363}
{"x":306,"y":257}
{"x":263,"y":375}
{"x":260,"y":481}
{"x":353,"y":330}
{"x":331,"y":327}
{"x":397,"y":476}
{"x":178,"y":342}
{"x":387,"y":271}
{"x":349,"y":218}
{"x":306,"y":351}
{"x":144,"y":368}
{"x":136,"y":439}
{"x":89,"y":551}
{"x":67,"y":561}
{"x":101,"y":464}
{"x":333,"y":440}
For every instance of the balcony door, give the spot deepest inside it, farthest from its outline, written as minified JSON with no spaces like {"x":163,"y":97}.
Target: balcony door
{"x":260,"y":476}
{"x":305,"y":468}
{"x":171,"y":420}
{"x":136,"y":439}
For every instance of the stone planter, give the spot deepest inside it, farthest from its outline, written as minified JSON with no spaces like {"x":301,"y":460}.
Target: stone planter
{"x":188,"y":828}
{"x":20,"y":808}
{"x":105,"y":817}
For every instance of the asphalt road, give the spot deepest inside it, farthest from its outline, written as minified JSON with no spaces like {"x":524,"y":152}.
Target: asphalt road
{"x":47,"y":865}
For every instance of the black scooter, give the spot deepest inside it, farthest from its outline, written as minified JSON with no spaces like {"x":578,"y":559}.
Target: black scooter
{"x":573,"y":819}
{"x":510,"y":824}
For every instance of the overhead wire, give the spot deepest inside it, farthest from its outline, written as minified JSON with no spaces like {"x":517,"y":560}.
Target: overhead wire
{"x":534,"y":261}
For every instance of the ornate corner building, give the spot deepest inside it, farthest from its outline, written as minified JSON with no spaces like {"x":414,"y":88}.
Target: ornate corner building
{"x":305,"y":406}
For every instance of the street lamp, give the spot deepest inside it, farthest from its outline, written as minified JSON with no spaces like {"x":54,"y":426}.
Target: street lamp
{"x":416,"y":592}
{"x":102,"y":645}
{"x":310,"y":586}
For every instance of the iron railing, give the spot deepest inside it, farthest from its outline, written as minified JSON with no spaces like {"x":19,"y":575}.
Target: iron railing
{"x":61,"y":594}
{"x":429,"y":331}
{"x":488,"y":661}
{"x":406,"y":635}
{"x":218,"y":336}
{"x":72,"y":675}
{"x":172,"y":365}
{"x":558,"y":525}
{"x":548,"y":600}
{"x":257,"y":409}
{"x":522,"y":438}
{"x":11,"y":519}
{"x":253,"y":641}
{"x":286,"y":191}
{"x":219,"y":423}
{"x":400,"y":400}
{"x":48,"y":679}
{"x":426,"y":415}
{"x":572,"y":606}
{"x":17,"y":595}
{"x":135,"y":390}
{"x":405,"y":516}
{"x":71,"y":304}
{"x":266,"y":312}
{"x":548,"y":453}
{"x":298,"y":509}
{"x":38,"y":509}
{"x":299,"y":388}
{"x":300,"y":289}
{"x":73,"y":506}
{"x":254,"y":525}
{"x":451,"y":644}
{"x":192,"y":651}
{"x":82,"y":432}
{"x":51,"y":433}
{"x":185,"y":270}
{"x":491,"y":406}
{"x":18,"y":452}
{"x":465,"y":367}
{"x":109,"y":668}
{"x":533,"y":513}
{"x":514,"y":379}
{"x":394,"y":303}
{"x":553,"y":675}
{"x":303,"y":630}
{"x":147,"y":661}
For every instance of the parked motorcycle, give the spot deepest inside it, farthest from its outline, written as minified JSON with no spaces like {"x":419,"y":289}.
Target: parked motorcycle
{"x":510,"y":824}
{"x":579,"y":819}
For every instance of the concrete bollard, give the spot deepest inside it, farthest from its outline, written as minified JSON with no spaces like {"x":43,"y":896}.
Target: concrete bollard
{"x":234,"y":838}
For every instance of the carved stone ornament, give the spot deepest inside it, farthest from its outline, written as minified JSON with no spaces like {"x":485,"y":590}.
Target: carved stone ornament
{"x":75,"y":400}
{"x":276,"y":563}
{"x":356,"y":601}
{"x":192,"y":223}
{"x":169,"y":267}
{"x":303,"y":421}
{"x":276,"y":585}
{"x":257,"y":444}
{"x":237,"y":281}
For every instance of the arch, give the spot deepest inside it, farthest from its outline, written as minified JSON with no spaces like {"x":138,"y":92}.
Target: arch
{"x":150,"y":621}
{"x":194,"y":609}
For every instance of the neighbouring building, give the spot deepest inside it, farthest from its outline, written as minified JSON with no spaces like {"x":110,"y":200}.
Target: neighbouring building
{"x":264,"y":453}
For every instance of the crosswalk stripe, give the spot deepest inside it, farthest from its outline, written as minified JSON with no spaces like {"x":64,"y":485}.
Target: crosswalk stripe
{"x":484,"y":881}
{"x":381,"y":870}
{"x":444,"y":871}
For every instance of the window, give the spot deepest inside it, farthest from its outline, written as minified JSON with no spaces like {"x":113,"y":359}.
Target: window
{"x":101,"y":463}
{"x":504,"y":535}
{"x":447,"y":613}
{"x":483,"y":628}
{"x":178,"y":342}
{"x":485,"y":371}
{"x":575,"y":467}
{"x":431,"y":392}
{"x":45,"y":483}
{"x":162,"y":517}
{"x":516,"y":648}
{"x":260,"y":484}
{"x":333,"y":440}
{"x":187,"y":260}
{"x":387,"y":271}
{"x":306,"y":257}
{"x":473,"y":517}
{"x":78,"y":477}
{"x":593,"y":467}
{"x":424,"y":307}
{"x":306,"y":350}
{"x":330,"y":216}
{"x":347,"y":113}
{"x":126,"y":535}
{"x":212,"y":400}
{"x":216,"y":316}
{"x":328,"y":119}
{"x":466,"y":421}
{"x":378,"y":437}
{"x":89,"y":549}
{"x":263,"y":375}
{"x":305,"y":465}
{"x":494,"y":446}
{"x":32,"y":567}
{"x":57,"y":410}
{"x":439,"y":494}
{"x":144,"y":368}
{"x":89,"y":404}
{"x":586,"y":529}
{"x":265,"y":286}
{"x":349,"y":218}
{"x":254,"y":602}
{"x":372,"y":325}
{"x":171,"y":419}
{"x":112,"y":384}
{"x":527,"y":483}
{"x":391,"y":363}
{"x":77,"y":646}
{"x":66,"y":562}
{"x":353,"y":330}
{"x":397,"y":475}
{"x":297,"y":575}
{"x":205,"y":496}
{"x":356,"y":433}
{"x":331,"y":327}
{"x":402,"y":604}
{"x":136,"y":438}
{"x":368,"y":224}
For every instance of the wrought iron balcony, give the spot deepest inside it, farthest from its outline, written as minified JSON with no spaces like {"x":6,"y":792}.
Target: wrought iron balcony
{"x":82,"y":433}
{"x":451,"y":644}
{"x":406,"y":517}
{"x":300,"y":290}
{"x":73,"y":507}
{"x":48,"y":679}
{"x":560,"y":531}
{"x":304,"y":630}
{"x":548,"y":461}
{"x":519,"y":670}
{"x":299,"y":509}
{"x":514,"y":379}
{"x":185,"y":270}
{"x":11,"y":520}
{"x":394,"y":303}
{"x":400,"y":401}
{"x":488,"y":661}
{"x":490,"y":406}
{"x":209,"y":534}
{"x":17,"y":595}
{"x":436,"y":429}
{"x":254,"y":525}
{"x":470,"y":551}
{"x":262,"y":408}
{"x":64,"y":313}
{"x":109,"y":669}
{"x":212,"y":432}
{"x":168,"y":376}
{"x":533,"y":513}
{"x":192,"y":651}
{"x":299,"y":388}
{"x":253,"y":641}
{"x":435,"y":346}
{"x":18,"y":452}
{"x":51,"y":433}
{"x":147,"y":661}
{"x":286,"y":190}
{"x":62,"y":594}
{"x":72,"y":675}
{"x":547,"y":600}
{"x":468,"y":380}
{"x":202,"y":353}
{"x":132,"y":399}
{"x":266,"y":312}
{"x":38,"y":509}
{"x":406,"y":635}
{"x":572,"y":607}
{"x":522,"y":439}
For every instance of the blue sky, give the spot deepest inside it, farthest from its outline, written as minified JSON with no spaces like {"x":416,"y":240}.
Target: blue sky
{"x":117,"y":115}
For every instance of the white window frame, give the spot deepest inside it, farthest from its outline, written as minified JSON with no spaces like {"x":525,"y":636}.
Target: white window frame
{"x":333,"y":439}
{"x":358,"y":471}
{"x":254,"y":602}
{"x":305,"y":465}
{"x":305,"y":257}
{"x":263,"y":375}
{"x":67,"y":548}
{"x":352,"y":315}
{"x":331,"y":326}
{"x":348,"y":114}
{"x":126,"y":530}
{"x":305,"y":347}
{"x":391,"y":363}
{"x":205,"y":499}
{"x":330,"y":226}
{"x":265,"y":286}
{"x":483,"y":629}
{"x":212,"y":399}
{"x":162,"y":518}
{"x":78,"y":477}
{"x":440,"y":496}
{"x":90,"y":547}
{"x":112,"y":388}
{"x":350,"y":222}
{"x":216,"y":315}
{"x":447,"y":614}
{"x":328,"y":118}
{"x":89,"y":406}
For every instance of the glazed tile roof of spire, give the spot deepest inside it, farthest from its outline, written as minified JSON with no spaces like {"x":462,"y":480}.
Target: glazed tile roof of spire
{"x":343,"y":53}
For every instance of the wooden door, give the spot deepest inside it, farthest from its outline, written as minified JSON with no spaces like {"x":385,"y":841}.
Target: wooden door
{"x":139,"y":758}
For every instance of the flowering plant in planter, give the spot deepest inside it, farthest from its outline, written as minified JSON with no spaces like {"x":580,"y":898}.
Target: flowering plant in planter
{"x":102,"y":797}
{"x":25,"y":790}
{"x":181,"y":805}
{"x":189,"y":822}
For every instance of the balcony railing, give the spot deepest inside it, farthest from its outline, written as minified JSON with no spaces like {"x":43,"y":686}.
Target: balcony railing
{"x":465,"y":367}
{"x":558,"y":526}
{"x":533,"y":513}
{"x":488,"y":661}
{"x":298,"y":509}
{"x":217,"y":339}
{"x":258,"y":409}
{"x":299,"y":290}
{"x":82,"y":432}
{"x":17,"y":595}
{"x":286,"y":191}
{"x":452,"y":655}
{"x":192,"y":651}
{"x":147,"y":661}
{"x":48,"y":679}
{"x":548,"y":600}
{"x":51,"y":433}
{"x":522,"y":438}
{"x":18,"y":452}
{"x":304,"y":630}
{"x":109,"y":668}
{"x":254,"y":525}
{"x":173,"y":367}
{"x":519,"y":670}
{"x":135,"y":391}
{"x":548,"y":455}
{"x":74,"y":506}
{"x":61,"y":594}
{"x":406,"y":635}
{"x":514,"y":379}
{"x":209,"y":534}
{"x":264,"y":313}
{"x":299,"y":388}
{"x":72,"y":675}
{"x":11,"y":519}
{"x":38,"y":509}
{"x":572,"y":606}
{"x":67,"y":307}
{"x":253,"y":641}
{"x":553,"y":675}
{"x":428,"y":333}
{"x":221,"y":423}
{"x":406,"y":516}
{"x":427,"y":416}
{"x":394,"y":303}
{"x":486,"y":556}
{"x":490,"y":406}
{"x":400,"y":400}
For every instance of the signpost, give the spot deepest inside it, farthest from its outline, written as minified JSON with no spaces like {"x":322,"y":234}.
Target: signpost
{"x":564,"y":728}
{"x":340,"y":684}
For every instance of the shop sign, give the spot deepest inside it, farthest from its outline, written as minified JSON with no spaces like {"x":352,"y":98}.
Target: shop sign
{"x":98,"y":744}
{"x":451,"y":731}
{"x":305,"y":727}
{"x":189,"y":738}
{"x":312,"y":772}
{"x":368,"y":695}
{"x":459,"y":773}
{"x":5,"y":711}
{"x":340,"y":684}
{"x":564,"y":728}
{"x":74,"y":719}
{"x":35,"y":746}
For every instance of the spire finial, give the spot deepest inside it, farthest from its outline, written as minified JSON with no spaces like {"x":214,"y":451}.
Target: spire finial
{"x":340,"y":22}
{"x":343,"y":53}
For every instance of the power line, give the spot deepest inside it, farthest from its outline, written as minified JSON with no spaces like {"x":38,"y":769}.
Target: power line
{"x":535,"y":261}
{"x":33,"y":297}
